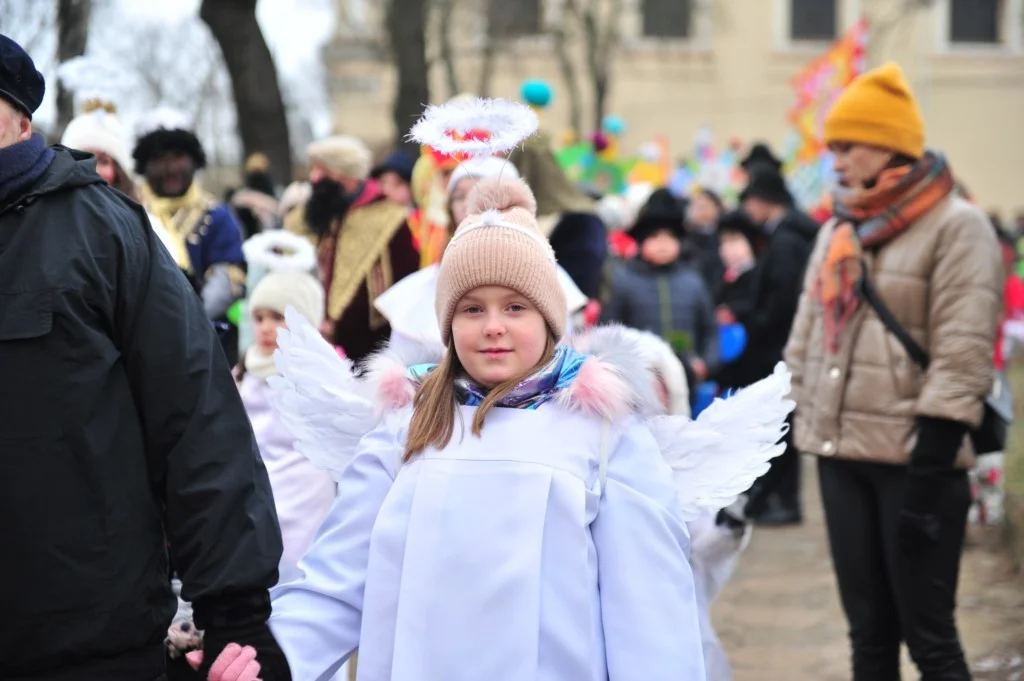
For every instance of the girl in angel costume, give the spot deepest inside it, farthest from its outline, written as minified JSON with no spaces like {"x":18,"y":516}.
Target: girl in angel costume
{"x":515,"y":511}
{"x":408,"y":305}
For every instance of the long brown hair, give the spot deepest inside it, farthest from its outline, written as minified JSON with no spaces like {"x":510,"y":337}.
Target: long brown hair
{"x":434,"y":407}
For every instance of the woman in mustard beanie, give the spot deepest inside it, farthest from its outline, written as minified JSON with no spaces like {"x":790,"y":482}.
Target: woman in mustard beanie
{"x":892,"y":432}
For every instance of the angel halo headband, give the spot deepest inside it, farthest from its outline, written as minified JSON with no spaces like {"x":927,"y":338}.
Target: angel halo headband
{"x":447,"y":127}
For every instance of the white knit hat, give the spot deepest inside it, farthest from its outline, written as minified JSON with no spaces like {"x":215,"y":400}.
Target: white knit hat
{"x":301,"y":290}
{"x":488,"y":166}
{"x":99,"y":130}
{"x":500,"y":244}
{"x":283,"y":263}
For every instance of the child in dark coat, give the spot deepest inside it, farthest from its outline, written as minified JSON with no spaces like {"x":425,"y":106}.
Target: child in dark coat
{"x":658,"y":292}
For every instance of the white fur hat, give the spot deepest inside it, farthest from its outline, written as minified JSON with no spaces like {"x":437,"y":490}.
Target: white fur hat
{"x":343,"y":154}
{"x":488,"y":166}
{"x":99,"y":130}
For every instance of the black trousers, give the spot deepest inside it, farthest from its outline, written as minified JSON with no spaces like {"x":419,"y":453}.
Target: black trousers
{"x":782,"y":479}
{"x":893,"y":592}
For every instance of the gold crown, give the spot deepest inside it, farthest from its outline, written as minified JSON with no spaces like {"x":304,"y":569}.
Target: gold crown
{"x":96,"y":104}
{"x":257,"y":163}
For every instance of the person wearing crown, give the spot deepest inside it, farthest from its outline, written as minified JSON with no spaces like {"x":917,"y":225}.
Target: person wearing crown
{"x":207,"y":237}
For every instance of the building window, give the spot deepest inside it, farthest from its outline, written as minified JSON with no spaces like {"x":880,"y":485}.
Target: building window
{"x":667,"y":18}
{"x":974,"y":21}
{"x":812,"y":19}
{"x":513,"y":18}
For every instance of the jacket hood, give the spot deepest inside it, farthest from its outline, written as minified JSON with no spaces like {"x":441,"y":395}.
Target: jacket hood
{"x":615,"y":381}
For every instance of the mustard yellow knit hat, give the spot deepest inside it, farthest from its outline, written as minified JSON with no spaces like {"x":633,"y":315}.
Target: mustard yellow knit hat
{"x":879,"y":109}
{"x":500,"y":244}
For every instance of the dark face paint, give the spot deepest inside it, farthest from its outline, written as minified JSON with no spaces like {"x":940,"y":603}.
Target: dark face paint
{"x":170,"y":174}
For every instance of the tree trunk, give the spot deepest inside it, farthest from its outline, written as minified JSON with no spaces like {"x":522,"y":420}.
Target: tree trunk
{"x":572,"y":83}
{"x":444,"y":29}
{"x":407,"y":27}
{"x":72,"y":35}
{"x":262,"y":120}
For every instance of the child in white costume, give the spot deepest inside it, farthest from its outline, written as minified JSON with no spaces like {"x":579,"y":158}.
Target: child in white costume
{"x":409,"y":304}
{"x":716,"y":538}
{"x":516,"y":512}
{"x":303,"y":493}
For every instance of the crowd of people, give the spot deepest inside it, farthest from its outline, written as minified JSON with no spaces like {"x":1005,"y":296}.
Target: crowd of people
{"x":177,"y":363}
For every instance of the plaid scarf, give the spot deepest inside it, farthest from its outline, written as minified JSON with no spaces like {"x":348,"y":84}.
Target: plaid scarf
{"x":868,"y":219}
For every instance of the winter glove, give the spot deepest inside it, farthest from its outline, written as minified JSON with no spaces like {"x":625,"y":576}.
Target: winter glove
{"x":931,"y":462}
{"x":235,"y":663}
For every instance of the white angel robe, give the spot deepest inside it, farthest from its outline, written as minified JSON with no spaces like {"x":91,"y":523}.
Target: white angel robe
{"x":500,"y":559}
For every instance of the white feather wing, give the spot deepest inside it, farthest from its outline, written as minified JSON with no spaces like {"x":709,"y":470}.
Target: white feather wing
{"x":717,"y":457}
{"x":321,"y":403}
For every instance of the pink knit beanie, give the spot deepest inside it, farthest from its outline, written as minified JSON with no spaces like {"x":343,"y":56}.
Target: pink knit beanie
{"x":500,"y":244}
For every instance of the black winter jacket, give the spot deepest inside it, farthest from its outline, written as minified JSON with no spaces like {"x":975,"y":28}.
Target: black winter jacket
{"x":778,"y":284}
{"x":122,"y":433}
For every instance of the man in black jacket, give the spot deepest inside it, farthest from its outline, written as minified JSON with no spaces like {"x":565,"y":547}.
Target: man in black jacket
{"x":775,"y":499}
{"x":122,"y":431}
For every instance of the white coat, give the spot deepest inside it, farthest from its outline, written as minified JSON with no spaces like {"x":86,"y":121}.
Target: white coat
{"x":499,"y":558}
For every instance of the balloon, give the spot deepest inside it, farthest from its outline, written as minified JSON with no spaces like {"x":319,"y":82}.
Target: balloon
{"x":536,"y":92}
{"x":732,"y":339}
{"x":704,"y":395}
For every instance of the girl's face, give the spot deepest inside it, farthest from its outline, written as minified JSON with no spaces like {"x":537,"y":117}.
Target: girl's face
{"x":734,"y":249}
{"x":265,"y":324}
{"x":661,"y":248}
{"x":457,"y":198}
{"x":104,"y":166}
{"x":498,"y":334}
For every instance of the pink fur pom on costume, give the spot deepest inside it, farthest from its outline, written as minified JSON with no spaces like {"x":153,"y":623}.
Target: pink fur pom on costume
{"x":599,"y":390}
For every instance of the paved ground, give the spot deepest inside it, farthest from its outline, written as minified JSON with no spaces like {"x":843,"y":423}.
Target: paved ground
{"x":780,"y":617}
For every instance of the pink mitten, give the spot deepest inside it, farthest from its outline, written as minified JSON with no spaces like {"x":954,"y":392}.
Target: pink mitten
{"x":235,"y":663}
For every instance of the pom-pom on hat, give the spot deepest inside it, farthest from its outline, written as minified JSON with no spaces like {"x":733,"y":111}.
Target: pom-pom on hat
{"x":500,"y":244}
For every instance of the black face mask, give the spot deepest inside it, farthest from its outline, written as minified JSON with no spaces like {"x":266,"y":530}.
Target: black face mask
{"x":328,"y":202}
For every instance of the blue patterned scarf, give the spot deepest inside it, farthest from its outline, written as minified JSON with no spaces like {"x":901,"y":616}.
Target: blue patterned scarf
{"x":533,"y":391}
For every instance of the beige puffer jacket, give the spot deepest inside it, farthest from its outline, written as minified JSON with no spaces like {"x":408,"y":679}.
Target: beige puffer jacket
{"x":943,"y":279}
